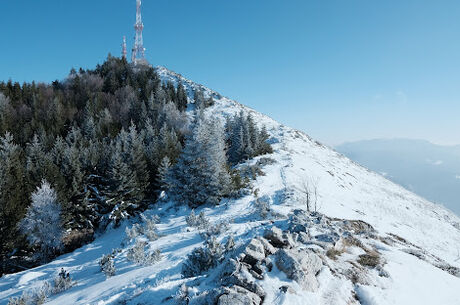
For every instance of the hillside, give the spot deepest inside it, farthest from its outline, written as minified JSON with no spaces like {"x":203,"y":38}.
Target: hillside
{"x":429,"y":170}
{"x":416,"y":242}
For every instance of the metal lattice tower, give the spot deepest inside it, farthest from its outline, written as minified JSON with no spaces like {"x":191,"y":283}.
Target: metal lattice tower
{"x":138,"y":54}
{"x":124,"y":51}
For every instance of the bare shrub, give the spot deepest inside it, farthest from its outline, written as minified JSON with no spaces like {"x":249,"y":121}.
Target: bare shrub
{"x":265,"y":161}
{"x":333,"y":253}
{"x":369,"y":260}
{"x":309,"y":188}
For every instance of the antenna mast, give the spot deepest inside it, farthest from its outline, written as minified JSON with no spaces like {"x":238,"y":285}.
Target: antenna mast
{"x":138,"y":54}
{"x":124,"y":51}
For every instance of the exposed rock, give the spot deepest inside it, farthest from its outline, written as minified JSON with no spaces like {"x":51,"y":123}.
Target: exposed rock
{"x":417,"y":253}
{"x":279,"y":239}
{"x":269,"y":249}
{"x":450,"y":269}
{"x":255,"y":252}
{"x":275,"y":237}
{"x":328,"y":237}
{"x":357,"y":226}
{"x":237,"y":273}
{"x":256,"y":275}
{"x":238,"y":296}
{"x":300,"y":266}
{"x":268,"y":263}
{"x":304,"y":238}
{"x":287,"y":289}
{"x":259,"y":268}
{"x":383,"y":272}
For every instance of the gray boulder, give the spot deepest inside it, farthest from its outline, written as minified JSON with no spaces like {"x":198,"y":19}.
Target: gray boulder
{"x":269,"y":249}
{"x":300,"y":266}
{"x":279,"y":239}
{"x":254,"y":252}
{"x":238,"y":296}
{"x":234,"y":273}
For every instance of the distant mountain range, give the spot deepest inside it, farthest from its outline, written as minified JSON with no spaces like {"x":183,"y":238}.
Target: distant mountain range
{"x":427,"y":169}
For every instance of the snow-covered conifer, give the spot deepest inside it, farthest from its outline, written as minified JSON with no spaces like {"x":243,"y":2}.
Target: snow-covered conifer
{"x":200,"y":175}
{"x":163,"y":169}
{"x":42,"y":222}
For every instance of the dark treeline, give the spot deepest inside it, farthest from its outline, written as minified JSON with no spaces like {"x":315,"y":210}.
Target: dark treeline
{"x":107,"y":141}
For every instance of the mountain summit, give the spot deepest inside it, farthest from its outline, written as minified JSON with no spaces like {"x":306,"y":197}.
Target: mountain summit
{"x":313,"y":228}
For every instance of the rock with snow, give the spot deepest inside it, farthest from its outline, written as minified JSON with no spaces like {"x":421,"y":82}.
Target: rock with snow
{"x":300,"y":266}
{"x":254,"y":252}
{"x":279,"y":239}
{"x":239,"y":296}
{"x":238,"y":273}
{"x":269,"y":249}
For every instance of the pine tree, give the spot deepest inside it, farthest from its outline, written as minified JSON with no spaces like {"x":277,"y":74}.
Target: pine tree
{"x":138,"y":160}
{"x":13,"y":189}
{"x":214,"y":141}
{"x":42,"y":222}
{"x":181,"y":97}
{"x":200,"y":175}
{"x":263,"y":146}
{"x":163,"y":170}
{"x":125,"y":193}
{"x":36,"y":160}
{"x":199,"y":99}
{"x":244,"y":139}
{"x":169,"y":144}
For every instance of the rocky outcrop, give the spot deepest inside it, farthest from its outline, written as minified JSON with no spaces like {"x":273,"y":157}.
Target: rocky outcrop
{"x":300,"y":252}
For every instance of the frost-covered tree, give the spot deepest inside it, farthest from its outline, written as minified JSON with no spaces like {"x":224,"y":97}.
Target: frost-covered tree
{"x":200,"y":175}
{"x":36,"y":161}
{"x":245,"y":140}
{"x":124,"y":194}
{"x":163,"y":170}
{"x":42,"y":222}
{"x":169,"y":143}
{"x":199,"y":99}
{"x":107,"y":265}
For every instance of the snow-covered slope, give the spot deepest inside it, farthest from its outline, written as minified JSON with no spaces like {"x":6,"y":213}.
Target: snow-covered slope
{"x":425,"y":237}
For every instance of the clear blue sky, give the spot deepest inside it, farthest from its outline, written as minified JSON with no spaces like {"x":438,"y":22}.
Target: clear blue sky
{"x":339,"y":70}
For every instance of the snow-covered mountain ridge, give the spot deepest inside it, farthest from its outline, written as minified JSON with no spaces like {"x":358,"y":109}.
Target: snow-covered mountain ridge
{"x":418,"y":241}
